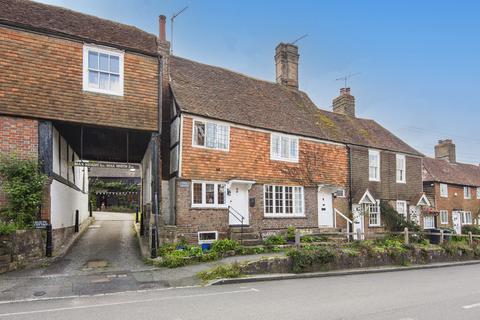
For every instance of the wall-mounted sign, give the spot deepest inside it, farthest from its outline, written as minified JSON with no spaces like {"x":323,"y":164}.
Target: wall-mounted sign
{"x":184,"y":184}
{"x":104,"y":164}
{"x":40,"y":224}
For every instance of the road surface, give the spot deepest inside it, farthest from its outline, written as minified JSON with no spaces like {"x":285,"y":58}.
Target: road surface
{"x":446,"y":293}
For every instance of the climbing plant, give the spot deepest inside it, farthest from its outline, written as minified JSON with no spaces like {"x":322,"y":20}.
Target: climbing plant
{"x":23,"y":184}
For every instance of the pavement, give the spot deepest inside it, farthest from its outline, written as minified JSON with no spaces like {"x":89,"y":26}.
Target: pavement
{"x":105,"y":259}
{"x":445,"y":293}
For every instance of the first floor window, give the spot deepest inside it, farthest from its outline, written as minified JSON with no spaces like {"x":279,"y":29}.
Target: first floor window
{"x":374,"y":165}
{"x":102,"y":70}
{"x":208,"y":194}
{"x":467,"y":193}
{"x":443,"y":190}
{"x":478,"y":193}
{"x":429,"y":222}
{"x":283,"y":147}
{"x":373,"y":211}
{"x":443,"y":216}
{"x":401,"y":168}
{"x":402,"y":207}
{"x":467,"y":217}
{"x":283,"y":200}
{"x":210,"y":135}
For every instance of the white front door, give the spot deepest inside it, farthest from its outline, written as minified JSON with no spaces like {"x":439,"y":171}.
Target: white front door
{"x":457,"y":221}
{"x":358,"y":221}
{"x":415,"y":214}
{"x":238,"y":204}
{"x":325,"y":209}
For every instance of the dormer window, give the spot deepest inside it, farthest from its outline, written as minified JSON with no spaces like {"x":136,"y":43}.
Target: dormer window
{"x":102,"y":70}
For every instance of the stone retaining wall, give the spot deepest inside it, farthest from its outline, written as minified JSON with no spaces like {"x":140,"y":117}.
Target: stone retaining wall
{"x":21,"y":248}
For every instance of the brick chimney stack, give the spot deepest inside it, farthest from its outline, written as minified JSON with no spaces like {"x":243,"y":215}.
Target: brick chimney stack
{"x":162,"y":34}
{"x":344,"y":103}
{"x":286,"y":64}
{"x":446,"y":150}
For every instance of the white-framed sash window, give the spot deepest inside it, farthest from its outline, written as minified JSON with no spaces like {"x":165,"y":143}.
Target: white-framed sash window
{"x":402,"y":207}
{"x":467,"y":193}
{"x":467,"y":217}
{"x":103,"y":70}
{"x":443,"y":216}
{"x":401,"y":168}
{"x":373,"y":211}
{"x":374,"y":165}
{"x":429,"y":222}
{"x":443,"y":190}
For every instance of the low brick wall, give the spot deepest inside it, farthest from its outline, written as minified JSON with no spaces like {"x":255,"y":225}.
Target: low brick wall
{"x":21,"y":248}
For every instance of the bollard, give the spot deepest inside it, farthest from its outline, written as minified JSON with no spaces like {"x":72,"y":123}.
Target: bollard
{"x":297,"y":238}
{"x":77,"y":216}
{"x":90,"y":209}
{"x":153,"y":253}
{"x":49,"y":248}
{"x":470,"y":238}
{"x":442,"y":235}
{"x":136,"y":216}
{"x":406,"y":235}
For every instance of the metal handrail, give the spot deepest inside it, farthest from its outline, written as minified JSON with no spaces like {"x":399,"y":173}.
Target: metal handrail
{"x":236,"y":215}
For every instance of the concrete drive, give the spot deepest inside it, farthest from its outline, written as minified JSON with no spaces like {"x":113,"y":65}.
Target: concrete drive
{"x":447,"y":293}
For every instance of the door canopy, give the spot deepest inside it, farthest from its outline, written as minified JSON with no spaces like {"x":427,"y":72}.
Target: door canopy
{"x":367,"y":198}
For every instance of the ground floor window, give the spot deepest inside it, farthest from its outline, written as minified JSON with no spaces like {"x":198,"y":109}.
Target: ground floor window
{"x":443,"y":216}
{"x":207,"y":236}
{"x":429,"y":222}
{"x":467,"y":217}
{"x":208,"y":194}
{"x":283,"y":200}
{"x":373,"y":211}
{"x":402,"y":207}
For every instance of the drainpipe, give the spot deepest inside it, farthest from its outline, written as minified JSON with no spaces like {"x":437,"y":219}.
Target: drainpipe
{"x":350,"y":179}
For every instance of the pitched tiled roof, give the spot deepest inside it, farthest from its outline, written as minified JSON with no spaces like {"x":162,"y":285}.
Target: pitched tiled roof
{"x":226,"y":95}
{"x":455,"y":173}
{"x":61,"y":21}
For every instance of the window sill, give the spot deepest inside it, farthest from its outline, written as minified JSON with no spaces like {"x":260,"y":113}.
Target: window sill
{"x":284,"y":216}
{"x":107,"y":92}
{"x":375,"y":226}
{"x":402,"y":182}
{"x":207,"y":208}
{"x":284,"y":160}
{"x":209,"y":148}
{"x":371,"y":180}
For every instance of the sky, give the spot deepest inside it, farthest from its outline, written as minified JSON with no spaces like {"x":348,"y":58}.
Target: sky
{"x":416,"y":64}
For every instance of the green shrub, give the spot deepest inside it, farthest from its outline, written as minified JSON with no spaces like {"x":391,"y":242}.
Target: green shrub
{"x":394,"y":221}
{"x":175,"y":259}
{"x":23,"y":184}
{"x":223,"y":246}
{"x":470,"y":228}
{"x":274,"y":240}
{"x":7,"y":228}
{"x":221,"y":272}
{"x":166,"y":248}
{"x":303,"y":259}
{"x":290,"y":236}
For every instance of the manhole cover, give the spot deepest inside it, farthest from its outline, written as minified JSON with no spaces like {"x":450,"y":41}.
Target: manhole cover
{"x":97,"y":264}
{"x":39,"y":293}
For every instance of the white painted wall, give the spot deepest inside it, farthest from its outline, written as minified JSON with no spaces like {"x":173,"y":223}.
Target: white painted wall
{"x":64,"y":198}
{"x":147,"y":177}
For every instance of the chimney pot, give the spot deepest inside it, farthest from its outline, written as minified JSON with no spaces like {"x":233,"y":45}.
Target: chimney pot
{"x":286,"y":64}
{"x":162,"y":26}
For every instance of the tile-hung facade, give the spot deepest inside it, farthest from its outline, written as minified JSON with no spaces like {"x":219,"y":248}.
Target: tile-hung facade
{"x":61,"y":68}
{"x":261,"y":153}
{"x":453,"y":187}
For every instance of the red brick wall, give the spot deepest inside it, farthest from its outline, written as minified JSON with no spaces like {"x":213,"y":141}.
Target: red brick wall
{"x":42,"y":77}
{"x":456,"y":201}
{"x":249,"y":159}
{"x":18,"y":136}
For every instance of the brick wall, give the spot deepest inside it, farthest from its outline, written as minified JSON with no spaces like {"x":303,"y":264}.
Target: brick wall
{"x":191,"y":220}
{"x":42,"y":78}
{"x":18,"y":136}
{"x":387,"y":188}
{"x":249,"y":159}
{"x":455,"y":201}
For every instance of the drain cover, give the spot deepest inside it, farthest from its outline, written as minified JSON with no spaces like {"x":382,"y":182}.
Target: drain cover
{"x":97,"y":264}
{"x":39,"y":293}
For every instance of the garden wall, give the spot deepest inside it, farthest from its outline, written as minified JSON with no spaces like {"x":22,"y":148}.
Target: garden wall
{"x":21,"y":248}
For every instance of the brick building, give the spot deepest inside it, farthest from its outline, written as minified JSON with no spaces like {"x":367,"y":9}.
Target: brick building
{"x":75,"y":87}
{"x":452,"y":187}
{"x":261,"y":153}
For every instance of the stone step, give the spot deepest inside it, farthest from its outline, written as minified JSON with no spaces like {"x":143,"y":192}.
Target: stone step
{"x":237,"y":236}
{"x":252,"y":242}
{"x":246,"y":229}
